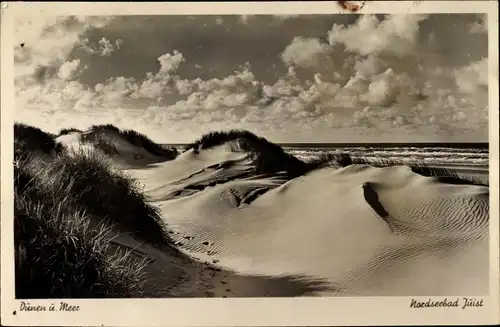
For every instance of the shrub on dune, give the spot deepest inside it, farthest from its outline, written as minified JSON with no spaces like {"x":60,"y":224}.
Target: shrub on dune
{"x":97,"y":132}
{"x":70,"y":130}
{"x":329,"y":159}
{"x":29,"y":139}
{"x":94,"y":184}
{"x":268,"y":157}
{"x":59,"y":253}
{"x":100,"y":143}
{"x":104,"y":128}
{"x":108,"y":193}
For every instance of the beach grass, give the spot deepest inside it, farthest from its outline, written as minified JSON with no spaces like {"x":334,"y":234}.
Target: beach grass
{"x":267,"y":156}
{"x":95,"y":134}
{"x":66,"y":131}
{"x":100,"y":143}
{"x":29,"y":139}
{"x":61,"y":250}
{"x":112,"y":194}
{"x":69,"y":204}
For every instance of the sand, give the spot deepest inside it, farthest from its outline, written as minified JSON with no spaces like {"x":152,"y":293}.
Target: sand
{"x":353,"y":231}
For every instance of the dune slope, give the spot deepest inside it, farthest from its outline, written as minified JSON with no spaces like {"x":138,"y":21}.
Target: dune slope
{"x":244,"y":218}
{"x":360,"y":230}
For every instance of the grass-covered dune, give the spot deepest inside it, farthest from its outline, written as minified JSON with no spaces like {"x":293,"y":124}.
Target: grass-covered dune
{"x":29,"y":140}
{"x":71,"y":202}
{"x":271,"y":158}
{"x":100,"y":135}
{"x":66,"y":211}
{"x":60,"y":251}
{"x":268,"y":157}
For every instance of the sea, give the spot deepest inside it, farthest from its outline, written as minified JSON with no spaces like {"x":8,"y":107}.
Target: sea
{"x":472,"y":155}
{"x":455,"y":154}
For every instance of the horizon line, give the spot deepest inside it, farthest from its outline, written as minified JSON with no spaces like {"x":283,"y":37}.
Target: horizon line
{"x":483,"y":143}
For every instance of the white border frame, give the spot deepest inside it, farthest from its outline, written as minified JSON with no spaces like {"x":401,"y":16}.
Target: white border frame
{"x":313,"y":311}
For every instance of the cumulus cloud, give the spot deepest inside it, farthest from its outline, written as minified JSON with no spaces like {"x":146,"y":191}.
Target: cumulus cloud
{"x":381,"y":82}
{"x":69,"y":69}
{"x":103,"y":47}
{"x":161,"y":83}
{"x":396,"y":34}
{"x":47,"y":40}
{"x":367,"y":77}
{"x":233,"y":91}
{"x":472,"y":78}
{"x":305,"y":52}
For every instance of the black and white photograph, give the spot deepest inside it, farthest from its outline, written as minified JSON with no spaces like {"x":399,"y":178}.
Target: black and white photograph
{"x":301,"y":155}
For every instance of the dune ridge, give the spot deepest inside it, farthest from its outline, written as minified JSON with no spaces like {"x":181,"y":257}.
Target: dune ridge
{"x":235,"y":215}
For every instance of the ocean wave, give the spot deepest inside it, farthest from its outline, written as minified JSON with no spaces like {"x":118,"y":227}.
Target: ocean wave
{"x":406,"y":154}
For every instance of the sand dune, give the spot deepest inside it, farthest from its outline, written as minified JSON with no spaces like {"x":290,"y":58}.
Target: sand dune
{"x":360,"y":229}
{"x":321,"y":226}
{"x":357,"y":230}
{"x":126,"y":155}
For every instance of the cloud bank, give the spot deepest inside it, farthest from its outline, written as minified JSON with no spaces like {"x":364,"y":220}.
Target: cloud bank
{"x":376,"y":78}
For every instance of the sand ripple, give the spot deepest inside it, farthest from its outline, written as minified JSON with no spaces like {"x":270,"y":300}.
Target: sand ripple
{"x":359,"y":230}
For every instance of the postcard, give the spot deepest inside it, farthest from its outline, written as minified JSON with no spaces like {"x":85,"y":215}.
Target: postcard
{"x":249,"y":163}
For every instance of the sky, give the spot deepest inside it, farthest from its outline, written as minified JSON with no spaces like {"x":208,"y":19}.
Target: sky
{"x":298,"y":78}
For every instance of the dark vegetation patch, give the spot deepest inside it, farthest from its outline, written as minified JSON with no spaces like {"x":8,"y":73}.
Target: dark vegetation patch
{"x":100,"y":143}
{"x":29,"y":139}
{"x":268,"y":157}
{"x":107,"y":193}
{"x":329,"y":159}
{"x":66,"y":211}
{"x":66,"y":131}
{"x":96,"y":133}
{"x":59,"y":252}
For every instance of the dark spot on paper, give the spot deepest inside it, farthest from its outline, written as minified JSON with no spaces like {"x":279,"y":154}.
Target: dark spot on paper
{"x":14,"y":312}
{"x":22,"y":45}
{"x":352,"y":6}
